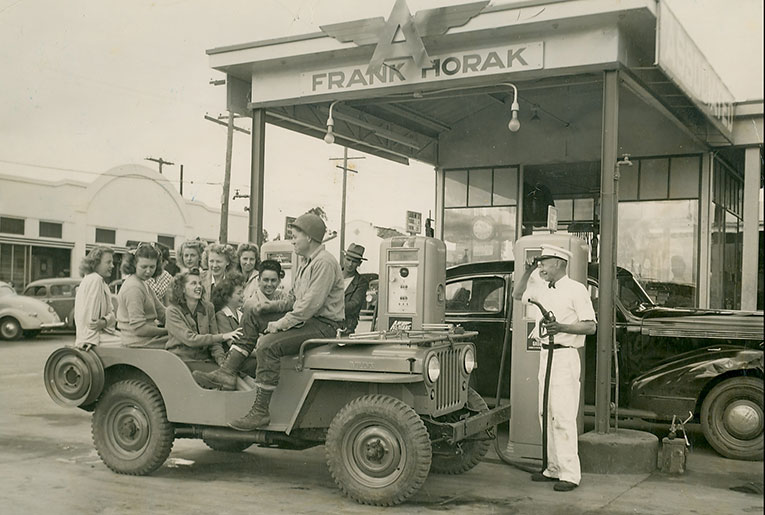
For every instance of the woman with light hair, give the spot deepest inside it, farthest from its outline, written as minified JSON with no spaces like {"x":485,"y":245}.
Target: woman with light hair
{"x":219,"y":259}
{"x":94,"y":317}
{"x":249,"y":260}
{"x":190,"y":254}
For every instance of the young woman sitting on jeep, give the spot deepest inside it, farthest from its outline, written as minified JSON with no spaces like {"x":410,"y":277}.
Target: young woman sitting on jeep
{"x":219,"y":259}
{"x":191,"y":323}
{"x":139,"y":310}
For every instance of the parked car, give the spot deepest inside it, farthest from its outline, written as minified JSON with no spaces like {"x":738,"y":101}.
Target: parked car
{"x":21,"y":315}
{"x":671,"y":360}
{"x":370,"y":303}
{"x":389,"y":410}
{"x":58,"y":293}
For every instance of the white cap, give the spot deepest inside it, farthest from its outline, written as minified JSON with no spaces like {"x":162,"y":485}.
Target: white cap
{"x":551,"y":251}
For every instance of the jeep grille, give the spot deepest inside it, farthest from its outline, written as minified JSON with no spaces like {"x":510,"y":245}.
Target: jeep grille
{"x":449,"y":384}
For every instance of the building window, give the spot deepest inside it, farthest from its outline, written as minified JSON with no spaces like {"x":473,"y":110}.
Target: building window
{"x":167,"y":241}
{"x":106,"y":236}
{"x":661,"y":178}
{"x":11,"y":225}
{"x":480,"y":214}
{"x":727,"y":237}
{"x":50,"y":230}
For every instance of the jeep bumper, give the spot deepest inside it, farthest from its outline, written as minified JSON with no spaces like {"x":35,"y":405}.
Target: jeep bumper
{"x":462,"y":429}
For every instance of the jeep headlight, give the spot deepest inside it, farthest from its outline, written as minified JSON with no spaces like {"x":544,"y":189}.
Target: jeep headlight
{"x":468,"y":360}
{"x":433,"y":368}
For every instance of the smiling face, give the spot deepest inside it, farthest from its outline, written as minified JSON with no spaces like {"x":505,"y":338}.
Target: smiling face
{"x":551,"y":269}
{"x":145,"y":267}
{"x":268,"y":282}
{"x":106,"y":265}
{"x":247,"y":261}
{"x":237,"y":299}
{"x":217,"y":264}
{"x":193,"y":288}
{"x":190,"y":258}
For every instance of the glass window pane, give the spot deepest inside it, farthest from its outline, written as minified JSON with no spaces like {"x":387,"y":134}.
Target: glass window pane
{"x":455,"y":188}
{"x":479,"y":191}
{"x":565,"y":208}
{"x":583,"y":208}
{"x":479,"y":234}
{"x":628,"y":182}
{"x":654,"y":174}
{"x":505,"y":186}
{"x":480,"y":295}
{"x":684,"y":177}
{"x":658,"y":242}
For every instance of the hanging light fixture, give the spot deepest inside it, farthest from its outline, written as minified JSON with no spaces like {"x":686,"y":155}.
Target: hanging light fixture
{"x":514,"y":125}
{"x":329,"y":138}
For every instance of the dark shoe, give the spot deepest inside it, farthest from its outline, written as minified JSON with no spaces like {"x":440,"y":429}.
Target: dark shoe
{"x":223,"y":378}
{"x":258,"y":415}
{"x":538,"y":476}
{"x":564,"y":486}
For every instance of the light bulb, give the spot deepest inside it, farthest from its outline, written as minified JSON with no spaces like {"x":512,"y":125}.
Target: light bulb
{"x":329,"y":138}
{"x":514,"y":124}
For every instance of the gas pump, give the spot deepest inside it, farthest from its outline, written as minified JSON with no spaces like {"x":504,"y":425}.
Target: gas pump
{"x":412,"y":279}
{"x":283,"y":252}
{"x":525,"y":438}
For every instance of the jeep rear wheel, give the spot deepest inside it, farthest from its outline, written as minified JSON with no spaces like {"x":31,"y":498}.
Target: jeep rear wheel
{"x":130,"y":428}
{"x":220,"y":445}
{"x":732,"y":418}
{"x":378,"y":450}
{"x":464,"y":455}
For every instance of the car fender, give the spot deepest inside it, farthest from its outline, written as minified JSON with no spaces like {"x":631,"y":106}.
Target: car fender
{"x":29,"y":321}
{"x":687,"y":376}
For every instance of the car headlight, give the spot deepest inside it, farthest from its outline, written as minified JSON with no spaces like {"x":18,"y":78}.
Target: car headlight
{"x":468,"y":360}
{"x":433,"y":368}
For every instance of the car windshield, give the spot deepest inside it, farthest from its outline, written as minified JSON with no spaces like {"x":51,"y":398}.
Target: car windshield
{"x":631,"y":293}
{"x":6,"y":291}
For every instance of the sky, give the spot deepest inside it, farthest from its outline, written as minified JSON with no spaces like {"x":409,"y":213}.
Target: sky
{"x":88,"y":85}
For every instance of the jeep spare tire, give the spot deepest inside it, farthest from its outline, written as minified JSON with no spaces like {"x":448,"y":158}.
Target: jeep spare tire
{"x":464,"y":455}
{"x":378,"y":450}
{"x":130,"y":428}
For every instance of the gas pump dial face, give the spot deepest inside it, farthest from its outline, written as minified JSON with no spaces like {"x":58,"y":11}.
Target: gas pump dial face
{"x":402,"y":289}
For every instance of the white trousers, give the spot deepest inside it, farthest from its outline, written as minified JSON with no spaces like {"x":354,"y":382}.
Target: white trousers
{"x":562,"y":434}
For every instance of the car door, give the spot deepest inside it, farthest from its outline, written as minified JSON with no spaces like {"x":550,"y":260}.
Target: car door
{"x":61,"y":299}
{"x":480,"y":303}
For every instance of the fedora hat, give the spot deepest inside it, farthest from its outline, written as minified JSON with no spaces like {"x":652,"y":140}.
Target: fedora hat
{"x":356,"y":252}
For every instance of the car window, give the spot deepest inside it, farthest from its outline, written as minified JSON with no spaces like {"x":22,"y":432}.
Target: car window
{"x":6,"y":291}
{"x":60,"y":290}
{"x":36,"y":291}
{"x":477,"y":295}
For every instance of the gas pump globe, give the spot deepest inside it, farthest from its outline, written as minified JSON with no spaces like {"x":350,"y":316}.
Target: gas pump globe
{"x":412,"y":279}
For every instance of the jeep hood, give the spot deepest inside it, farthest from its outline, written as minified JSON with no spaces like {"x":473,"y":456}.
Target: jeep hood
{"x":383,"y":357}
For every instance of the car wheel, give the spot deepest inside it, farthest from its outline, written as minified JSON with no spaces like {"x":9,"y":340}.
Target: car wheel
{"x":463,"y":456}
{"x":130,"y":428}
{"x":378,"y":450}
{"x":732,"y":418}
{"x":219,"y":445}
{"x":10,"y":329}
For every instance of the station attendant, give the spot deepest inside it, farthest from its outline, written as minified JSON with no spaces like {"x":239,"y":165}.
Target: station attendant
{"x":94,"y":316}
{"x":548,"y":284}
{"x":355,"y":286}
{"x":317,"y":312}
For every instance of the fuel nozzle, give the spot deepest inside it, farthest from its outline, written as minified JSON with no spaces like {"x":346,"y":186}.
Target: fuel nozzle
{"x":547,"y":317}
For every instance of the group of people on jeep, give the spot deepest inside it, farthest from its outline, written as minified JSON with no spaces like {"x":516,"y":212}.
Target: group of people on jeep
{"x":222,"y":321}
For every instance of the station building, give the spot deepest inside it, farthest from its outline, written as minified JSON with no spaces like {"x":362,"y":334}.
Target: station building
{"x":530,"y":105}
{"x":46,"y":228}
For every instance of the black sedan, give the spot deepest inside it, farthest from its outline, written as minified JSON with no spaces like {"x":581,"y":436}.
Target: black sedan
{"x":670,"y":360}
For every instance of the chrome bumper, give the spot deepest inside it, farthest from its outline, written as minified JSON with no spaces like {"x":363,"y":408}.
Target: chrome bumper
{"x":53,"y":325}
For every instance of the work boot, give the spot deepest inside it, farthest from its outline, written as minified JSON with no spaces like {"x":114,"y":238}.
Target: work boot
{"x":223,"y":378}
{"x":258,"y":415}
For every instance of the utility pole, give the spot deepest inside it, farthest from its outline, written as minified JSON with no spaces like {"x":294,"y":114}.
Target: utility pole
{"x":345,"y":170}
{"x":223,"y":237}
{"x":180,"y":182}
{"x":161,"y":162}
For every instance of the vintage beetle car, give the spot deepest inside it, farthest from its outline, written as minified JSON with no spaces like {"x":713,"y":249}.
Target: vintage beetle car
{"x":671,"y":361}
{"x":58,"y":293}
{"x":24,"y":315}
{"x":389,"y":408}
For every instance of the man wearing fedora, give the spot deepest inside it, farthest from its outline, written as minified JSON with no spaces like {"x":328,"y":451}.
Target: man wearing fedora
{"x":545,"y":281}
{"x":316,"y":312}
{"x":355,"y":286}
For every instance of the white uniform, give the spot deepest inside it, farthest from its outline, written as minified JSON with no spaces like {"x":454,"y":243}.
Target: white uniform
{"x":570,"y":303}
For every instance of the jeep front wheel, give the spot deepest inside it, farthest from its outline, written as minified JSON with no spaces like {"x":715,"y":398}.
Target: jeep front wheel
{"x":732,"y":418}
{"x":130,"y":428}
{"x":378,"y":450}
{"x":464,"y":455}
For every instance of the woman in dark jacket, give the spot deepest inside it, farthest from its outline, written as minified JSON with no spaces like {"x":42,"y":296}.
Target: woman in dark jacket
{"x":191,"y":323}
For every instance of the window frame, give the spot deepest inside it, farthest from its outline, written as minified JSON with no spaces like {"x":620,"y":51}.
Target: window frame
{"x":504,"y":308}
